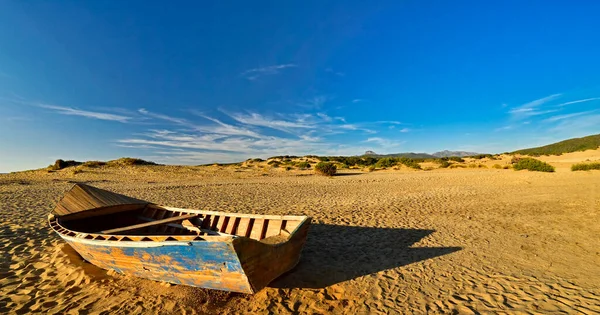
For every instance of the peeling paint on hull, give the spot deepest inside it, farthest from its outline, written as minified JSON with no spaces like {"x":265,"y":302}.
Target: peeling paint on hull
{"x":212,"y":265}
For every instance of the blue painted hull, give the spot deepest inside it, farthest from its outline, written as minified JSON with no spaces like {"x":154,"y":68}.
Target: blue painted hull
{"x":212,"y":265}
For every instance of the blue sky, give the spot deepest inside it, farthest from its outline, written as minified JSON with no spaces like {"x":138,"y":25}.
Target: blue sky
{"x":193,"y":82}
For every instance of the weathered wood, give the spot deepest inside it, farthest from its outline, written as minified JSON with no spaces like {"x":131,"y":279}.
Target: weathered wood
{"x":262,"y":263}
{"x":148,"y":224}
{"x":274,"y":228}
{"x":101,"y":211}
{"x":257,"y":229}
{"x":182,"y":228}
{"x":82,"y":198}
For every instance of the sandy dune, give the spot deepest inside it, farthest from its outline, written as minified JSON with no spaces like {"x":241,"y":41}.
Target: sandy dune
{"x":442,"y":241}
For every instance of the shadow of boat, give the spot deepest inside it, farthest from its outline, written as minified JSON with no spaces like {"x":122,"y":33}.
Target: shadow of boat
{"x":337,"y":253}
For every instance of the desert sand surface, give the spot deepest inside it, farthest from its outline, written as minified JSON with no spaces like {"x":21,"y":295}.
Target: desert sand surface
{"x":465,"y":241}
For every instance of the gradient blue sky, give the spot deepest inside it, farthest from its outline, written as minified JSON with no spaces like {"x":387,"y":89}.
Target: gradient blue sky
{"x":192,"y":82}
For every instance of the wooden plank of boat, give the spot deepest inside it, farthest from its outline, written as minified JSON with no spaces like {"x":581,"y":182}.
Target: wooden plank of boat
{"x":181,"y":226}
{"x":147,"y":224}
{"x":82,"y":198}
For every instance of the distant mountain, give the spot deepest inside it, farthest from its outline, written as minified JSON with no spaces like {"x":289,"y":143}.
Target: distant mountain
{"x":447,"y":153}
{"x":411,"y":155}
{"x":566,"y":146}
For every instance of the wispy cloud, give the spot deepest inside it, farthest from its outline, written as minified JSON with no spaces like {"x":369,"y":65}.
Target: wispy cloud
{"x":338,"y":73}
{"x":84,"y":113}
{"x":404,"y":130}
{"x":531,"y":108}
{"x":567,"y":116}
{"x":540,"y":101}
{"x":579,"y":101}
{"x":253,"y":74}
{"x":256,"y":119}
{"x":218,"y":127}
{"x":504,"y":128}
{"x":384,"y":143}
{"x":577,"y":126}
{"x":251,"y":134}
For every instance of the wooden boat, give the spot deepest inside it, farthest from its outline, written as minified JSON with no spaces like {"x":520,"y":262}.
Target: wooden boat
{"x":208,"y":249}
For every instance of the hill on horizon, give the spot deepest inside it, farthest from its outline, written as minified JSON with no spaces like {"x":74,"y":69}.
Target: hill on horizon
{"x":566,"y":146}
{"x":440,"y":154}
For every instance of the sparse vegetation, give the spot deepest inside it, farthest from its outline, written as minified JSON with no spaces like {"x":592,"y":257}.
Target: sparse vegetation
{"x":566,"y":146}
{"x":482,"y":156}
{"x":456,"y":159}
{"x":93,"y":163}
{"x":281,"y":157}
{"x":533,"y":165}
{"x":126,"y":161}
{"x":497,"y":166}
{"x":326,"y":168}
{"x":585,"y":166}
{"x":274,"y":163}
{"x":303,"y":165}
{"x":444,"y":164}
{"x":412,"y":163}
{"x":60,"y":164}
{"x":386,"y":162}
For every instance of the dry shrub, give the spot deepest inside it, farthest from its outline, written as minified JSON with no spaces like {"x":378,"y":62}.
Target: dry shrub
{"x":533,"y":165}
{"x":326,"y":168}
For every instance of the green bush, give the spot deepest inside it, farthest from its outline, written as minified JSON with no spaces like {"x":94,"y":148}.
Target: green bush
{"x":60,"y":164}
{"x":274,"y":163}
{"x":303,"y":165}
{"x":533,"y":165}
{"x":386,"y":162}
{"x":129,"y":162}
{"x":93,"y":163}
{"x":497,"y":166}
{"x":585,"y":166}
{"x":325,"y":168}
{"x":456,"y":159}
{"x":481,"y":156}
{"x":412,"y":163}
{"x":444,"y":164}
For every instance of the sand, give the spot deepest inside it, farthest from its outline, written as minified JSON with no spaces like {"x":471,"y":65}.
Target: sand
{"x":442,"y":241}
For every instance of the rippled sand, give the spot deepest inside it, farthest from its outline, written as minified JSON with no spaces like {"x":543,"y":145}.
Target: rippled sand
{"x":442,"y":241}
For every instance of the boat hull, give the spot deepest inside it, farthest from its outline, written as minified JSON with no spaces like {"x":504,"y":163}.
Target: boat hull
{"x":209,"y":249}
{"x":212,"y":265}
